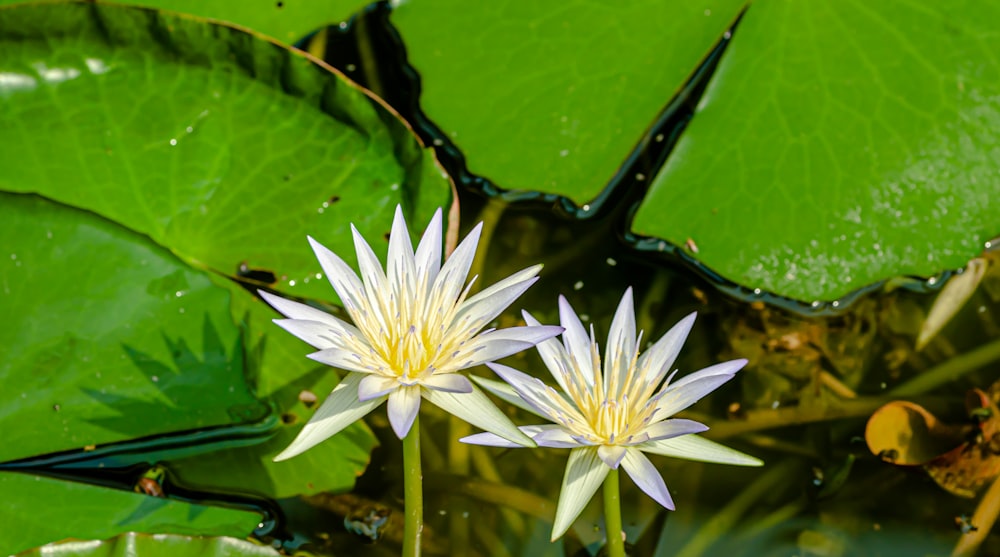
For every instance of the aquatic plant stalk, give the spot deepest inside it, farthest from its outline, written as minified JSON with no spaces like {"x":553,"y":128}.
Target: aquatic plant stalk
{"x":613,"y":515}
{"x":413,"y":497}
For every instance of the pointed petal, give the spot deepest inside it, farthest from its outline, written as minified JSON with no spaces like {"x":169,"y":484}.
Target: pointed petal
{"x":331,"y":333}
{"x":547,"y":435}
{"x":612,"y":455}
{"x":428,"y":256}
{"x":647,"y":477}
{"x":506,"y":393}
{"x":488,"y":439}
{"x":658,"y":360}
{"x":695,"y":447}
{"x":554,"y":355}
{"x":501,"y":343}
{"x":448,"y":382}
{"x":372,"y":274}
{"x":691,"y":388}
{"x":532,"y":390}
{"x":341,"y":409}
{"x":673,"y":428}
{"x":577,"y":341}
{"x":374,"y":386}
{"x":451,"y":280}
{"x":295,"y":310}
{"x":399,"y":261}
{"x":621,"y":345}
{"x":404,"y":403}
{"x":481,"y":309}
{"x":343,"y":279}
{"x":584,"y":474}
{"x":476,"y":409}
{"x":553,"y":436}
{"x":342,"y":359}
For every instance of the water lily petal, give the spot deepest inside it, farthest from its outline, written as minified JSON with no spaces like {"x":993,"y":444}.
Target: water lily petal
{"x":399,"y":262}
{"x":505,"y":392}
{"x":483,"y":307}
{"x":695,"y":447}
{"x":374,"y":386}
{"x":451,"y":280}
{"x":403,"y":405}
{"x":674,"y":428}
{"x":691,"y":388}
{"x":475,"y":408}
{"x":342,"y":359}
{"x":343,"y":279}
{"x":373,"y":278}
{"x":547,"y":435}
{"x":552,"y":436}
{"x":341,"y":409}
{"x":612,"y":455}
{"x":294,"y":310}
{"x":584,"y":474}
{"x":531,"y":389}
{"x":448,"y":382}
{"x":577,"y":341}
{"x":656,"y":362}
{"x":620,"y":347}
{"x":428,"y":256}
{"x":555,"y":357}
{"x":647,"y":477}
{"x":488,"y":439}
{"x":501,"y":343}
{"x":330,"y":333}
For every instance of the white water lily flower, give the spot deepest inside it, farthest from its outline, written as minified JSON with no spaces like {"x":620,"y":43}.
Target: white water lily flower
{"x":415,"y":328}
{"x":611,"y":415}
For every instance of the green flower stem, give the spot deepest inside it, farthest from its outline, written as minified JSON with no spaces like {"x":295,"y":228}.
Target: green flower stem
{"x":613,"y":516}
{"x":412,"y":492}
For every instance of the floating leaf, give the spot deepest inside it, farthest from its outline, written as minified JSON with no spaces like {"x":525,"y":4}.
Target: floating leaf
{"x":222,"y":146}
{"x":108,"y":337}
{"x":164,"y":545}
{"x":551,"y":97}
{"x":839,"y":144}
{"x":36,"y":510}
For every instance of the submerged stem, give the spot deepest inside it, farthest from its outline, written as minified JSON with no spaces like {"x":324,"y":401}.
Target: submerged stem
{"x":613,"y":515}
{"x":412,"y":492}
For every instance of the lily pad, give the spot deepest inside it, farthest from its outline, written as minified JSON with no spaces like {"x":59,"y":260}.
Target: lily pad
{"x":36,"y":510}
{"x":162,"y":545}
{"x":108,"y":337}
{"x":285,"y":20}
{"x":219,"y":144}
{"x":840,"y":144}
{"x":552,"y":96}
{"x":295,"y":386}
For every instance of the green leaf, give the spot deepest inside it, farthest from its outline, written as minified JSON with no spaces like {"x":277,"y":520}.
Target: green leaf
{"x":552,"y":96}
{"x":286,"y":20}
{"x":285,"y":374}
{"x":224,"y":147}
{"x":107,"y":337}
{"x":36,"y":510}
{"x":840,"y":144}
{"x":331,"y":466}
{"x":163,"y":545}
